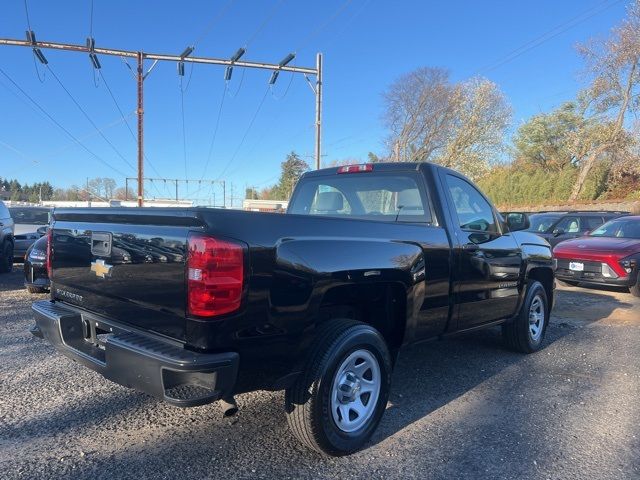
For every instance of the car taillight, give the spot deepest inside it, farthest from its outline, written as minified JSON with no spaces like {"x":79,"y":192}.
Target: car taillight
{"x":215,"y":276}
{"x":49,"y":250}
{"x":365,"y":167}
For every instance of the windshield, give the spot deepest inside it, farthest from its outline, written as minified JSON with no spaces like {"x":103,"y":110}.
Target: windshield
{"x":371,"y":196}
{"x":541,"y":222}
{"x":30,"y":216}
{"x":618,"y":228}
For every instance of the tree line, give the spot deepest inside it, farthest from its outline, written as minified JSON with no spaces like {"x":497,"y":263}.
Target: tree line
{"x":99,"y":188}
{"x":587,"y":148}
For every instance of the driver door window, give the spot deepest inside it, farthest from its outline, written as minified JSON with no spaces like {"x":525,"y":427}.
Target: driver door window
{"x":473,"y":211}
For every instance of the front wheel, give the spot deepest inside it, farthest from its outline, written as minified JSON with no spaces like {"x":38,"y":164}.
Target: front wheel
{"x":526,"y":331}
{"x":338,"y":401}
{"x":635,"y":289}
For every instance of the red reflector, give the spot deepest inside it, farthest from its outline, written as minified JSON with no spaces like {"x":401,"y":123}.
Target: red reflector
{"x":365,"y":167}
{"x":215,"y":276}
{"x":49,"y":251}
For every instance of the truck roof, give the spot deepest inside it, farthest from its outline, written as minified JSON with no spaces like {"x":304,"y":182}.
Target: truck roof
{"x":377,"y":167}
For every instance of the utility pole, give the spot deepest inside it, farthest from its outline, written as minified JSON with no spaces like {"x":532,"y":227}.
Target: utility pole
{"x":318,"y":92}
{"x":224,"y":194}
{"x":140,"y":80}
{"x":140,"y":56}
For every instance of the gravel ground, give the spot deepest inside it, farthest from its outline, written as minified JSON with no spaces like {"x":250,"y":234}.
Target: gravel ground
{"x":459,"y":408}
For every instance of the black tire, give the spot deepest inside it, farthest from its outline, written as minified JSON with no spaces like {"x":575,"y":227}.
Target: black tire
{"x":32,"y":289}
{"x":6,"y":258}
{"x":567,"y":283}
{"x":635,"y":290}
{"x":308,"y":402}
{"x":518,"y":334}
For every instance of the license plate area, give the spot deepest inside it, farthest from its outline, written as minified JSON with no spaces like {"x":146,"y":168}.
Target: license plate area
{"x":85,"y":335}
{"x":576,"y":266}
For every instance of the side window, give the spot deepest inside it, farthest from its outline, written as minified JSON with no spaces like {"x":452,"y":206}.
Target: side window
{"x":591,"y":223}
{"x":569,"y":225}
{"x":474,"y":212}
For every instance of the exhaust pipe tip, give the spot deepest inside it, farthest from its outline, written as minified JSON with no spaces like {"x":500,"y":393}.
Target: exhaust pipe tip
{"x":229,"y":407}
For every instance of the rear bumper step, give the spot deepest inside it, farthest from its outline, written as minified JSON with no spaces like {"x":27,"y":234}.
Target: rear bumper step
{"x":159,"y":368}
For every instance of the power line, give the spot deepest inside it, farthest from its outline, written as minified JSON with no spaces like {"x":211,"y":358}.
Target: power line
{"x":323,"y":25}
{"x":69,"y":134}
{"x":184,"y":132}
{"x":86,"y":115}
{"x":264,"y":23}
{"x":91,"y":21}
{"x":26,"y":11}
{"x":244,"y":136}
{"x":35,"y":64}
{"x":548,"y":35}
{"x":215,"y":130}
{"x":214,"y":21}
{"x":124,"y":118}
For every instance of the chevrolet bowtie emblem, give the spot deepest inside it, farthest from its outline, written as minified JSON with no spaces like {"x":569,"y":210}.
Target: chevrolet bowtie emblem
{"x":101,"y":269}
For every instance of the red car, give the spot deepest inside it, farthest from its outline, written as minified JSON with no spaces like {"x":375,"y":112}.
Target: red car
{"x":609,"y":255}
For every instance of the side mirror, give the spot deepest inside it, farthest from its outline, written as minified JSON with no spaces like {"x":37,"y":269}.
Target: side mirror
{"x":42,"y":231}
{"x":557,"y":232}
{"x":517,"y":221}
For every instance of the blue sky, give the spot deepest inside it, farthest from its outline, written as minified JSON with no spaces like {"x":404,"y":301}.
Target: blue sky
{"x":367,"y":44}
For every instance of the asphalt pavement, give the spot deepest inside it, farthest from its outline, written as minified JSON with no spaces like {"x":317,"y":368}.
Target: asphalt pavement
{"x":459,"y":408}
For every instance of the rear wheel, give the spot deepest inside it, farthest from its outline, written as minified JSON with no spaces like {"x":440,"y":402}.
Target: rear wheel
{"x":337,"y":403}
{"x":6,"y":258}
{"x":526,"y":332}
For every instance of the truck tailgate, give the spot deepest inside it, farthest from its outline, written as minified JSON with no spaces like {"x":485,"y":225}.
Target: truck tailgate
{"x":125,"y":264}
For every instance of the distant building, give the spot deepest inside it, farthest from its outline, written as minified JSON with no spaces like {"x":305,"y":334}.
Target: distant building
{"x":265,"y":205}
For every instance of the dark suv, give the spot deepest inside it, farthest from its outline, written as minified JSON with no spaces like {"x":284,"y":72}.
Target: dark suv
{"x":6,"y":239}
{"x":558,"y":226}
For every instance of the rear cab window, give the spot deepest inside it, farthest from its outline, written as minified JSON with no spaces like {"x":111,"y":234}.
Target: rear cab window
{"x":379,"y":196}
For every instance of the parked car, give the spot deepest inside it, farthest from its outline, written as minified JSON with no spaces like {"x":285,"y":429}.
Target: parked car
{"x":556,"y":227}
{"x":6,"y":239}
{"x":317,"y":301}
{"x":31,"y":224}
{"x":36,"y":278}
{"x":607,"y":256}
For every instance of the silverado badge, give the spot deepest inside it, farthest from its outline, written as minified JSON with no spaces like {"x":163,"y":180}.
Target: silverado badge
{"x":101,"y":269}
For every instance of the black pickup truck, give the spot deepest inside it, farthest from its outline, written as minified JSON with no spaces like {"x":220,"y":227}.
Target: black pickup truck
{"x":196,"y":305}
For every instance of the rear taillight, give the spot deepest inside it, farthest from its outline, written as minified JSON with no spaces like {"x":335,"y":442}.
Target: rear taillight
{"x":215,"y":275}
{"x":365,"y":167}
{"x":49,"y":250}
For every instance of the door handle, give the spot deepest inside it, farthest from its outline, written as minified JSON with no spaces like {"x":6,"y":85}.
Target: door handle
{"x":470,"y":247}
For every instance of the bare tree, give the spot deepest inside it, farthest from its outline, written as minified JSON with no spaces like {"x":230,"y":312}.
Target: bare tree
{"x":614,"y":65}
{"x":431,"y":119}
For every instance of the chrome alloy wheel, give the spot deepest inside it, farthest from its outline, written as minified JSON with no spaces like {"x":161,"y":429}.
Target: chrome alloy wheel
{"x":355,"y":390}
{"x":536,"y":318}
